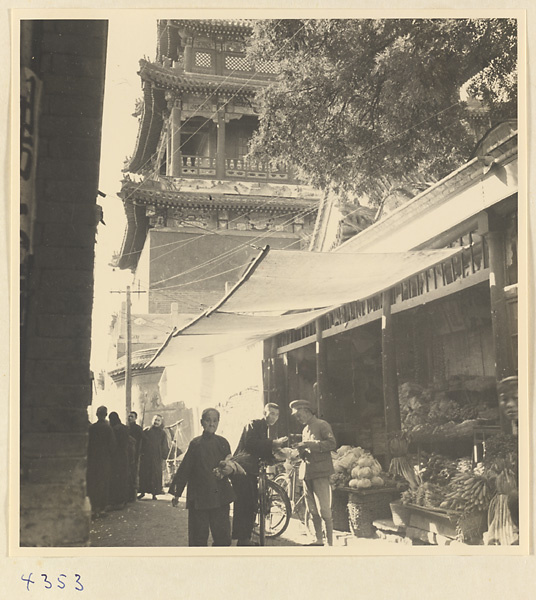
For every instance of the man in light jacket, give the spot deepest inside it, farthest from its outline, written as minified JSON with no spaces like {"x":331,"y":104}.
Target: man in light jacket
{"x":315,"y":450}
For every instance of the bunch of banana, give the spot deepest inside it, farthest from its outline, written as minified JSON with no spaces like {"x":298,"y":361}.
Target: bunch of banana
{"x":468,"y":491}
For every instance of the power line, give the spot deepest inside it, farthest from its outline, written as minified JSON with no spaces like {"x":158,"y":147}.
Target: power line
{"x":238,"y":248}
{"x":234,"y":95}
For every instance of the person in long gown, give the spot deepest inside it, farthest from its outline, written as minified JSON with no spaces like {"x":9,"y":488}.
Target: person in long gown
{"x":101,"y":447}
{"x":120,"y":463}
{"x":154,"y":449}
{"x":136,"y":435}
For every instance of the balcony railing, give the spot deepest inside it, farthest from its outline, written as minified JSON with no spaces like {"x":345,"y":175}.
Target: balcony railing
{"x":235,"y":168}
{"x":198,"y":166}
{"x":243,"y":169}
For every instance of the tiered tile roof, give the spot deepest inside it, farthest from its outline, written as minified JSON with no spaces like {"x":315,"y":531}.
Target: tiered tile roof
{"x":174,"y":79}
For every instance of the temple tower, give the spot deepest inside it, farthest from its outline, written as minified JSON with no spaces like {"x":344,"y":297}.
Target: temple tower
{"x":197,"y":210}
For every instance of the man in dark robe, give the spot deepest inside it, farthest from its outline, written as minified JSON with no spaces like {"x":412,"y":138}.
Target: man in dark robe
{"x":119,"y":482}
{"x":154,"y":449}
{"x":209,"y":491}
{"x":254,"y":445}
{"x":136,"y":435}
{"x":101,"y":447}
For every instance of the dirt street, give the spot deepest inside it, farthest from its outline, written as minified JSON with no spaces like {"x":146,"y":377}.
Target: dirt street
{"x":154,"y":523}
{"x":150,"y":522}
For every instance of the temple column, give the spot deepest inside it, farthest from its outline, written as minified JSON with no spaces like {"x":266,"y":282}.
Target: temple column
{"x":220,"y":147}
{"x":174,"y":162}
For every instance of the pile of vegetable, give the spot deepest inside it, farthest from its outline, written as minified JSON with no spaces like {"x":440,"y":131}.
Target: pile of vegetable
{"x":449,"y":413}
{"x":481,"y":496}
{"x":356,"y":468}
{"x":440,"y":469}
{"x":400,"y":463}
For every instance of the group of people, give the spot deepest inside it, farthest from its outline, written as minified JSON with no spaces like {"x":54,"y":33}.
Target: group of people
{"x":124,"y":461}
{"x":214,"y":478}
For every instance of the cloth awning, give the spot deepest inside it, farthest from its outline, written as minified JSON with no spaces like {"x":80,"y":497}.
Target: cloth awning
{"x":284,"y":289}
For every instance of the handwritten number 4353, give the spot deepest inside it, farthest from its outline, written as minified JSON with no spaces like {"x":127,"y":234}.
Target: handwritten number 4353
{"x":61,"y":582}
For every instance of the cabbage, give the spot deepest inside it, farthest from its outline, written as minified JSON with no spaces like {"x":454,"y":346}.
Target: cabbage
{"x":346,"y":461}
{"x":376,"y":468}
{"x":355,"y":472}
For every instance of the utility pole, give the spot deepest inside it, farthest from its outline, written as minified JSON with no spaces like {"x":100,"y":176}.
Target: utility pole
{"x":128,"y":364}
{"x":128,"y":353}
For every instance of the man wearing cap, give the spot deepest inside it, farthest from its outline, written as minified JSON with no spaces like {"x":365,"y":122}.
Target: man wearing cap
{"x":315,"y":450}
{"x":507,"y":390}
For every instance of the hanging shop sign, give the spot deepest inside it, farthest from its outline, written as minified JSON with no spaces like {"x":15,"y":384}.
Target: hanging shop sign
{"x":30,"y":94}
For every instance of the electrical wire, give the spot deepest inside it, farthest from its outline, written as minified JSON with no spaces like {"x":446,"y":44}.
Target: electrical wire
{"x":234,"y":95}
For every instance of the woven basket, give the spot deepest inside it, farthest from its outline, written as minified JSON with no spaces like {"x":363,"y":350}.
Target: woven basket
{"x":471,"y":527}
{"x":364,"y":509}
{"x":339,"y":510}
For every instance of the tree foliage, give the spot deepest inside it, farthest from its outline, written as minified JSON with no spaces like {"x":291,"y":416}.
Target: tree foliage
{"x":357,"y":100}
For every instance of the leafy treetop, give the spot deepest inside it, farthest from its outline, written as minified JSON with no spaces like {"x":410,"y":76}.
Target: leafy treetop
{"x":357,"y":100}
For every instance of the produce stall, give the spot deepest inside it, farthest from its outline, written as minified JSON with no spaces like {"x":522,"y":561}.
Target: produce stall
{"x":456,"y":499}
{"x":362,"y":491}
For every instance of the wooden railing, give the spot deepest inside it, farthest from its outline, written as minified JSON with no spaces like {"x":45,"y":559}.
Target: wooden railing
{"x":243,"y":169}
{"x":198,"y":166}
{"x":235,"y":168}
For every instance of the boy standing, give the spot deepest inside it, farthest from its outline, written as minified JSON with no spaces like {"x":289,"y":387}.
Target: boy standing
{"x":209,"y":494}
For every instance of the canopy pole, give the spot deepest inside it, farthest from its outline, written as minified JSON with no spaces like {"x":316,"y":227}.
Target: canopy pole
{"x":319,"y":387}
{"x":389,"y":370}
{"x":245,"y":276}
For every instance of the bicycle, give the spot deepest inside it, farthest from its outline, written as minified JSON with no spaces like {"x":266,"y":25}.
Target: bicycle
{"x":274,"y":510}
{"x":290,"y":482}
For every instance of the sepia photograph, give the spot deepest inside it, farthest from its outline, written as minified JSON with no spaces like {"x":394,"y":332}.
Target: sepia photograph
{"x":273,"y":292}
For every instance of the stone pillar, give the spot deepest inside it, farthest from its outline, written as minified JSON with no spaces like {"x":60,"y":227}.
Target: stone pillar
{"x":69,"y":58}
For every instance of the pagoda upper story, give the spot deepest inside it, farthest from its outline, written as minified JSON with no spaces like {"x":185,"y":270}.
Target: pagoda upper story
{"x":196,"y":119}
{"x":199,"y":104}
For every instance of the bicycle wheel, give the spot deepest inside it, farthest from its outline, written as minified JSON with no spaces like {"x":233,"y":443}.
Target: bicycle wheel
{"x":284,"y":481}
{"x":275,"y":510}
{"x":263,"y":510}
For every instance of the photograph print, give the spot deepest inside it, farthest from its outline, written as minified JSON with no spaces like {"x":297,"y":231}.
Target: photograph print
{"x":269,"y":280}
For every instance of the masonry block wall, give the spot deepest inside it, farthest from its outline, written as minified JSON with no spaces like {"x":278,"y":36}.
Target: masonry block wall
{"x":69,"y":58}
